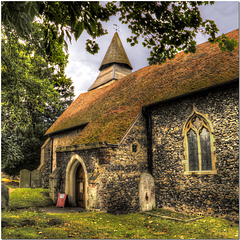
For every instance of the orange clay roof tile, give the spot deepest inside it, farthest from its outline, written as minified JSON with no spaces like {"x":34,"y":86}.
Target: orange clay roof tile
{"x":111,"y":110}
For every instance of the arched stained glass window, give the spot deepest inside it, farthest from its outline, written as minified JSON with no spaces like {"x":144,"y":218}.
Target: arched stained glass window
{"x":199,"y":148}
{"x":205,"y":149}
{"x":193,"y":151}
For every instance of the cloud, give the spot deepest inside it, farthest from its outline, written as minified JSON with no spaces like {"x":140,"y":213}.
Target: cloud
{"x":225,"y":15}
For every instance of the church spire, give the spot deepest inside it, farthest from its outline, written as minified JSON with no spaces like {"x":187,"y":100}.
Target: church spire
{"x":114,"y":66}
{"x":115,"y":54}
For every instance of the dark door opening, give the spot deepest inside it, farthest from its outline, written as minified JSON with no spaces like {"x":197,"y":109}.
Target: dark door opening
{"x":80,"y":187}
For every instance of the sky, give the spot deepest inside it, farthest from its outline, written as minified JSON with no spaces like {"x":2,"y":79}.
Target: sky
{"x":83,"y":67}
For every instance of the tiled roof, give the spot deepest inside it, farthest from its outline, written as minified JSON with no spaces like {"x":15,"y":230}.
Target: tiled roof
{"x":115,"y":54}
{"x":111,"y":110}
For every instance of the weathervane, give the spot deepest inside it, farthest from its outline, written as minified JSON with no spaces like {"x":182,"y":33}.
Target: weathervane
{"x":116,"y":28}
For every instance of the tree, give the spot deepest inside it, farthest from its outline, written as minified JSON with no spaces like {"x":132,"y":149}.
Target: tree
{"x":169,"y":27}
{"x":165,"y":27}
{"x":35,"y":92}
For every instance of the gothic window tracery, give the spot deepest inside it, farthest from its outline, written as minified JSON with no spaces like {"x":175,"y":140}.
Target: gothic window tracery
{"x":198,"y":145}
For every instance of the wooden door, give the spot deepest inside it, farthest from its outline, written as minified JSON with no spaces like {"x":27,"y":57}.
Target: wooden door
{"x":80,"y":184}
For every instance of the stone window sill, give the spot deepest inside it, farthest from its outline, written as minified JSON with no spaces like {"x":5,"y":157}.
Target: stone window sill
{"x":194,"y":173}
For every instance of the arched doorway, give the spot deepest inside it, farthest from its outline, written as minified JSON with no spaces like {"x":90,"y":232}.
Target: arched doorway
{"x":80,"y":186}
{"x":76,"y":182}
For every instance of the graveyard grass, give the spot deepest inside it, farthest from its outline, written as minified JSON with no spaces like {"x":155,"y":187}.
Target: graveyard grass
{"x":27,"y":197}
{"x":29,"y":223}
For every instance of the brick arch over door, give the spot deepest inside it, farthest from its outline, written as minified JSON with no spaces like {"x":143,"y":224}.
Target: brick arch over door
{"x":70,"y":184}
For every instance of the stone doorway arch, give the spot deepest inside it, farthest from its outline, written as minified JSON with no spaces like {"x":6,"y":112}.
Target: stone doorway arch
{"x":74,"y":164}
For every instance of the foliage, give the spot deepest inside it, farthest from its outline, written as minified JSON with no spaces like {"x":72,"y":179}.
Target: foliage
{"x":168,"y":27}
{"x":165,"y":27}
{"x":35,"y":92}
{"x":27,"y":197}
{"x":90,"y":225}
{"x":12,"y":157}
{"x":68,"y":17}
{"x":227,"y":44}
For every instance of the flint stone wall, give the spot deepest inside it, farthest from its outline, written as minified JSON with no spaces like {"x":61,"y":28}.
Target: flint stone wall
{"x":48,"y":153}
{"x":45,"y":166}
{"x":113,"y":173}
{"x":55,"y":182}
{"x":211,"y":194}
{"x":60,"y":140}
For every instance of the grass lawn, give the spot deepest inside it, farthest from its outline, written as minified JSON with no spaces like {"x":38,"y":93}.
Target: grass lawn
{"x":27,"y":197}
{"x":31,"y":224}
{"x":103,"y":225}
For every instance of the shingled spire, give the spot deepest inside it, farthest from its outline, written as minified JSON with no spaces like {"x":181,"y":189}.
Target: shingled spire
{"x":114,"y":66}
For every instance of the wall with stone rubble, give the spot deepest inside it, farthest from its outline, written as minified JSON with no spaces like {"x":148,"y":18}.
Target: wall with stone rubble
{"x":211,"y":193}
{"x":60,"y":140}
{"x":122,"y":176}
{"x":113,"y":172}
{"x":48,"y":153}
{"x":45,"y":165}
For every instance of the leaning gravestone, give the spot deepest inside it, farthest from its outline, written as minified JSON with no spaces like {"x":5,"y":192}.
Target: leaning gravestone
{"x":4,"y":195}
{"x":36,"y":179}
{"x":146,"y":192}
{"x":25,"y":179}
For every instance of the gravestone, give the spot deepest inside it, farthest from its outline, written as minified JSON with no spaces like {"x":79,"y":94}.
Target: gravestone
{"x":4,"y":195}
{"x":25,"y":179}
{"x":146,"y":192}
{"x":36,"y":179}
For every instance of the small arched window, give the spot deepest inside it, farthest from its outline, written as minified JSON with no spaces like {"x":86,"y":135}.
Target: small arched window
{"x":199,"y":149}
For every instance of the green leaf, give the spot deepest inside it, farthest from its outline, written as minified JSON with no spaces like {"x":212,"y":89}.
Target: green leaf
{"x":61,"y":38}
{"x":69,"y":36}
{"x":79,"y":30}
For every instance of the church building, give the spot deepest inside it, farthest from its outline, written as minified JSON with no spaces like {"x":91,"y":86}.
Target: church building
{"x":164,"y":136}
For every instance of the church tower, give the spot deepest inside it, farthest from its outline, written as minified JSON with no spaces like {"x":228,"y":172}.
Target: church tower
{"x":115,"y":64}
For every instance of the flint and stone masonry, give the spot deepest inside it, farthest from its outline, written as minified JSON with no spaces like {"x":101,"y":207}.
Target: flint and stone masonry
{"x":208,"y":193}
{"x":132,"y":154}
{"x":114,"y":172}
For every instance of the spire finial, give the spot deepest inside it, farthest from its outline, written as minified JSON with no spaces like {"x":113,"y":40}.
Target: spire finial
{"x":116,"y":28}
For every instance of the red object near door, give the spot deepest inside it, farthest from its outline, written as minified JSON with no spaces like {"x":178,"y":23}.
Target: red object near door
{"x":62,"y":200}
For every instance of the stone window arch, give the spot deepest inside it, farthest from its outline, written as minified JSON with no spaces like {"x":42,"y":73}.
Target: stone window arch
{"x":198,"y":145}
